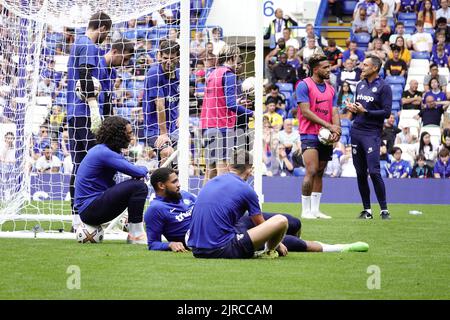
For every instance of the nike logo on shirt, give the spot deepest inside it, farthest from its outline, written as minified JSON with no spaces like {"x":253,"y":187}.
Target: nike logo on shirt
{"x":320,"y":101}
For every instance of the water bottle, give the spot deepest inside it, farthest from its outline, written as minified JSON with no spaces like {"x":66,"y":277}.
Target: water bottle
{"x":415,"y":212}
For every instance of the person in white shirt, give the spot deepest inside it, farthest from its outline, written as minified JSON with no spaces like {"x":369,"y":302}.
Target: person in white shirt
{"x":46,"y":87}
{"x":400,"y":31}
{"x":444,"y":11}
{"x":421,"y":41}
{"x":217,"y":43}
{"x":288,"y":137}
{"x":7,"y":150}
{"x":290,"y":42}
{"x":48,"y":163}
{"x":162,"y":17}
{"x":394,"y":7}
{"x":347,"y":167}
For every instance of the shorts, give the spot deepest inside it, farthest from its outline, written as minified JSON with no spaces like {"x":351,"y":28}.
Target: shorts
{"x":240,"y":247}
{"x":309,"y":142}
{"x":218,"y":144}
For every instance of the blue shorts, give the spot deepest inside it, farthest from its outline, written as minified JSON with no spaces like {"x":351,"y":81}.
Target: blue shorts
{"x":312,"y":142}
{"x":240,"y":247}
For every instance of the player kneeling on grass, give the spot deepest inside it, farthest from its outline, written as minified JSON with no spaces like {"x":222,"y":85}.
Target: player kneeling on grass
{"x":170,"y":213}
{"x":97,"y":197}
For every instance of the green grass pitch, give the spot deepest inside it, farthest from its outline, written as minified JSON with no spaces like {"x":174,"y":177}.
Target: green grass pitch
{"x":411,"y":253}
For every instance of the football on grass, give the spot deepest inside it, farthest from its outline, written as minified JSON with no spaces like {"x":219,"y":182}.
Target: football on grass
{"x":89,"y":234}
{"x":325,"y":136}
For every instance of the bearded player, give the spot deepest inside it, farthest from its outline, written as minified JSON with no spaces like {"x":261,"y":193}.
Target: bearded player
{"x":315,"y":101}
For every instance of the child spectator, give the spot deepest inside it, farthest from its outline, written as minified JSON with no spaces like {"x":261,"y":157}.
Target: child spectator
{"x":421,"y":169}
{"x":440,"y":57}
{"x":275,"y":120}
{"x":425,"y":147}
{"x":347,"y":168}
{"x":405,"y":54}
{"x":421,"y":41}
{"x":399,"y":168}
{"x":345,"y":96}
{"x":442,"y":166}
{"x":395,"y":66}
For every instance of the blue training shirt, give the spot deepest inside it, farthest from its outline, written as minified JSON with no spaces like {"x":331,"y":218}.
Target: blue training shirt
{"x":219,"y":206}
{"x":107,"y":76}
{"x":83,"y":52}
{"x":157,"y":84}
{"x":376,"y":98}
{"x":96,"y":174}
{"x":168,"y":218}
{"x":398,"y":168}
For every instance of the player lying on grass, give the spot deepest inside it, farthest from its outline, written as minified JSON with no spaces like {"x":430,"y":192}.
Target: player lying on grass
{"x":98,"y":198}
{"x":169,"y":214}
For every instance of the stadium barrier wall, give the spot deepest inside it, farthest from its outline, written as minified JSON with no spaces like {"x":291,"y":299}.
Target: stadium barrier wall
{"x":287,"y":189}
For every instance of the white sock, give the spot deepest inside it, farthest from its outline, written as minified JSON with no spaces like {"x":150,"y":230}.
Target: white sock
{"x":76,"y":221}
{"x":136,"y":229}
{"x":306,"y":204}
{"x":315,"y":201}
{"x":368,"y":210}
{"x":331,"y":247}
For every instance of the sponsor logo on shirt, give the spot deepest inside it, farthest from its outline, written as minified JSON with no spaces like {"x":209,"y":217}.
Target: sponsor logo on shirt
{"x":183,"y":215}
{"x":173,"y":99}
{"x":320,"y":110}
{"x":365,"y":98}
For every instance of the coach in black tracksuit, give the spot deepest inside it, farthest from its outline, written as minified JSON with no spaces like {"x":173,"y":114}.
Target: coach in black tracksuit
{"x":372,"y":105}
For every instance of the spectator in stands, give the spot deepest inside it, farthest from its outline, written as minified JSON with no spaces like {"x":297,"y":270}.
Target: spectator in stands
{"x":378,"y":49}
{"x":395,"y":66}
{"x":275,"y":119}
{"x":445,"y":141}
{"x":65,"y":148}
{"x":307,"y":51}
{"x":362,"y":23}
{"x":431,"y":114}
{"x":353,"y":49}
{"x":440,"y":57}
{"x":7,"y":149}
{"x":277,"y":96}
{"x":46,"y":86}
{"x":288,"y":40}
{"x":441,"y":26}
{"x":383,"y":8}
{"x":404,"y":136}
{"x":280,"y":165}
{"x":442,"y":166}
{"x":421,"y":3}
{"x":421,"y":41}
{"x":370,"y":6}
{"x":48,"y":163}
{"x":426,"y":148}
{"x":394,"y":7}
{"x":55,"y":120}
{"x":333,"y":169}
{"x":400,"y":31}
{"x":349,"y":74}
{"x":310,"y":33}
{"x":277,"y":25}
{"x":435,"y":90}
{"x":198,"y":45}
{"x":334,"y":55}
{"x":405,"y":54}
{"x":444,"y":11}
{"x":173,"y":35}
{"x":384,"y":160}
{"x":293,"y":58}
{"x":43,"y":139}
{"x":162,"y":17}
{"x":440,"y":39}
{"x":421,"y":169}
{"x":337,"y":10}
{"x":412,"y":98}
{"x":284,"y":72}
{"x":289,"y":138}
{"x":148,"y":159}
{"x":379,"y":33}
{"x":389,"y":133}
{"x":399,"y":168}
{"x":272,"y":58}
{"x":346,"y":160}
{"x":345,"y":96}
{"x":218,"y":44}
{"x":434,"y":73}
{"x":427,"y":15}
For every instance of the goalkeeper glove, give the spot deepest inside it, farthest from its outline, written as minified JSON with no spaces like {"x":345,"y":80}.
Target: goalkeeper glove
{"x":96,"y":119}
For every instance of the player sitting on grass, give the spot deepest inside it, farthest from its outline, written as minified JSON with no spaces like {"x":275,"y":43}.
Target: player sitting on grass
{"x":170,"y":214}
{"x":98,"y":198}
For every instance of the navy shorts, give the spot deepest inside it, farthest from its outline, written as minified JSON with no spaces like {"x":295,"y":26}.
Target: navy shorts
{"x":218,"y":144}
{"x":325,"y":152}
{"x":240,"y":247}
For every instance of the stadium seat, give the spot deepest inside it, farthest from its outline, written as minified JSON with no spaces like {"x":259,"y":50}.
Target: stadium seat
{"x":396,"y":88}
{"x":402,"y":16}
{"x":409,"y":23}
{"x":285,"y":87}
{"x":299,"y":172}
{"x":430,"y":31}
{"x":410,"y":30}
{"x":346,"y":123}
{"x":361,"y":38}
{"x":344,"y":140}
{"x":396,"y":96}
{"x":444,"y":72}
{"x":44,"y":101}
{"x":395,"y":105}
{"x":395,"y":80}
{"x":349,"y":6}
{"x":420,"y":55}
{"x":419,"y":63}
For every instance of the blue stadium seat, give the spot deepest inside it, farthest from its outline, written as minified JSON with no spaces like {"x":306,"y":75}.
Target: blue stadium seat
{"x":420,"y":55}
{"x":409,"y":23}
{"x":396,"y":88}
{"x":402,"y":16}
{"x":349,"y":6}
{"x":361,"y":37}
{"x":345,"y":140}
{"x":430,"y":31}
{"x":362,"y":47}
{"x":345,"y":131}
{"x":410,"y":30}
{"x":395,"y":80}
{"x":395,"y":105}
{"x":346,"y":123}
{"x":285,"y":87}
{"x":396,"y":96}
{"x":299,"y":172}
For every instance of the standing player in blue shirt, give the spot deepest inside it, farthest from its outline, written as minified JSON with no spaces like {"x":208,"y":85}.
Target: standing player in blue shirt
{"x":98,"y":198}
{"x":84,"y":116}
{"x":372,"y":105}
{"x":161,"y":98}
{"x":170,"y":214}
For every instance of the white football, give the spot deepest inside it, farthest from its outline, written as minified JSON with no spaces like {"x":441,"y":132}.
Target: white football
{"x":89,"y":234}
{"x":324,"y":136}
{"x":248,"y":86}
{"x":81,"y":95}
